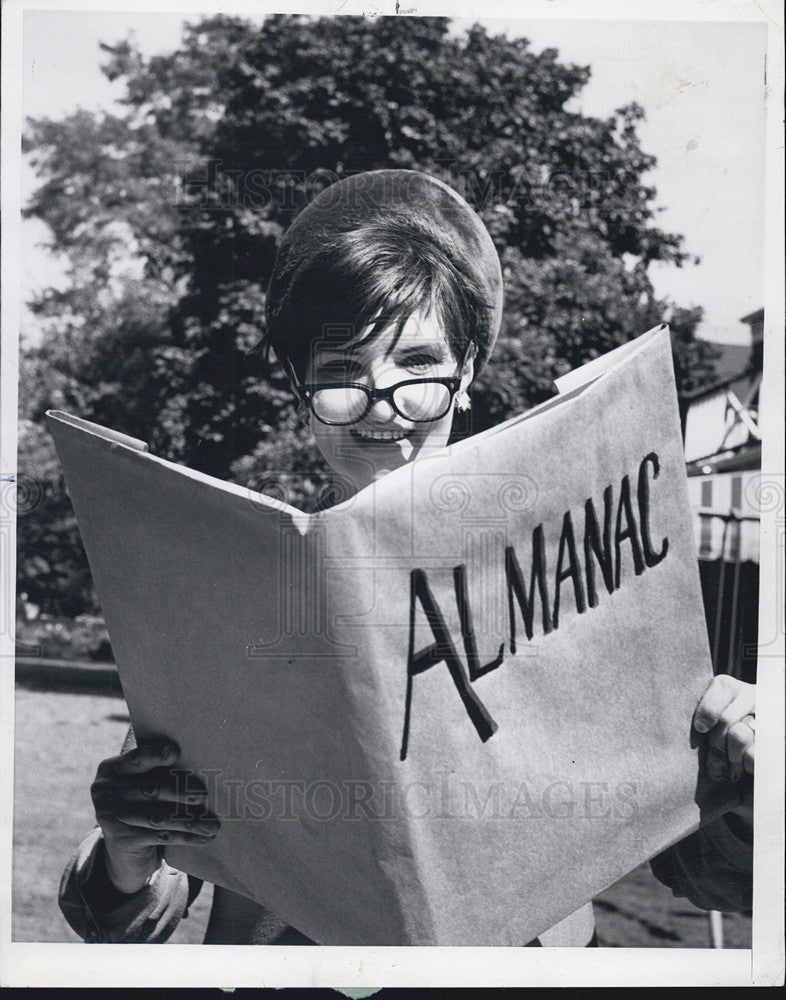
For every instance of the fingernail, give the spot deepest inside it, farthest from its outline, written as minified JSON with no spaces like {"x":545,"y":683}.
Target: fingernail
{"x":700,"y":726}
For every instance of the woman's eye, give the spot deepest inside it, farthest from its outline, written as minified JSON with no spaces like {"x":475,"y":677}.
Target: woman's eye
{"x":420,"y":361}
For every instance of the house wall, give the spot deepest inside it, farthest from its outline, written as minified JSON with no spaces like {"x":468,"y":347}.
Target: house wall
{"x":721,"y":493}
{"x":707,"y":419}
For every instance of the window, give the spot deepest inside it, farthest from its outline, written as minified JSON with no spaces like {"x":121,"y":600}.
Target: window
{"x":706,"y":493}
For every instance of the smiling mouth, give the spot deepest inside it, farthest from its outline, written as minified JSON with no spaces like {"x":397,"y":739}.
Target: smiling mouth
{"x":380,"y":436}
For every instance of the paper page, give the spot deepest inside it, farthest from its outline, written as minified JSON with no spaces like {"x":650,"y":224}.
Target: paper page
{"x":450,"y":710}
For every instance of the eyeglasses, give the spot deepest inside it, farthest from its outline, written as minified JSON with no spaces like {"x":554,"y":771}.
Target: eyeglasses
{"x":420,"y":400}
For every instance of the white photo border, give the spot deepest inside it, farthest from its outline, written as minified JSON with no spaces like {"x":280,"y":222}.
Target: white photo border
{"x":27,"y":964}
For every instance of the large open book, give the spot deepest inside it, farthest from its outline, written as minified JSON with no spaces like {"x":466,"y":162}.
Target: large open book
{"x":447,"y":711}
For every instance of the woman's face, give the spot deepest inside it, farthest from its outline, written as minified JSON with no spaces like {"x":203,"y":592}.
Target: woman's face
{"x":384,"y":440}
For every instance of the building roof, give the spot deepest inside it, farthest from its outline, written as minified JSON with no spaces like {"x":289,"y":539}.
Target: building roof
{"x":733,"y":365}
{"x":753,"y":317}
{"x":732,"y":360}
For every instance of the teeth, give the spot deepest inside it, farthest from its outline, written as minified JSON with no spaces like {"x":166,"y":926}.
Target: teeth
{"x":380,"y":435}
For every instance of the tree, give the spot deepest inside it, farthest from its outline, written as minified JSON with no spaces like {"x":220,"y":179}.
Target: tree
{"x":170,"y":215}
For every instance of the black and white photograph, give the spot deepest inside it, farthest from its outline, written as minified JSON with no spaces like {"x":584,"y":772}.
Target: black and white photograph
{"x":392,"y":506}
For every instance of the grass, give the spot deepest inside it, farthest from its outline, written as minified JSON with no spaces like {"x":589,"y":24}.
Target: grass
{"x":60,"y":739}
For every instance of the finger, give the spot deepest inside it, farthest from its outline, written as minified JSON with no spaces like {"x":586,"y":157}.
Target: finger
{"x":730,"y":719}
{"x":161,"y":816}
{"x":142,"y":837}
{"x":728,"y":739}
{"x":739,"y":708}
{"x":740,"y":737}
{"x":116,"y":803}
{"x":165,"y":785}
{"x":748,"y":759}
{"x":720,"y":693}
{"x":152,"y":791}
{"x":113,"y":799}
{"x":148,"y":755}
{"x":145,"y":757}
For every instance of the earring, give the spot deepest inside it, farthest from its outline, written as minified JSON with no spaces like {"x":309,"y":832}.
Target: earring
{"x":463,"y":401}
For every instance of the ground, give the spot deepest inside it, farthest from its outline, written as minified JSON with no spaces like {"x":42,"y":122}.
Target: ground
{"x":62,"y":735}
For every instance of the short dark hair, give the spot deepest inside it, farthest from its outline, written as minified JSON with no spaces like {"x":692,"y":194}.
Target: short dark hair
{"x":377,"y":273}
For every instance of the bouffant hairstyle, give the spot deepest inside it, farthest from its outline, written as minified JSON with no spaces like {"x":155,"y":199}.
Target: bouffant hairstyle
{"x":374,"y":250}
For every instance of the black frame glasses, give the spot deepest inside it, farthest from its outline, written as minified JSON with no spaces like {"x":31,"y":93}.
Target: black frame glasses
{"x":307,"y":392}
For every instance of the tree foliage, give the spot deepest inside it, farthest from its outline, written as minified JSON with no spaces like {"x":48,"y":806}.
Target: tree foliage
{"x":168,"y":214}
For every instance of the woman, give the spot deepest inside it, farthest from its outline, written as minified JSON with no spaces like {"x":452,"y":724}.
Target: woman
{"x":384,"y":304}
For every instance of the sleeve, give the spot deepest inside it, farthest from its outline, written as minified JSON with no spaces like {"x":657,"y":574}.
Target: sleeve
{"x":100,"y":913}
{"x":712,"y":867}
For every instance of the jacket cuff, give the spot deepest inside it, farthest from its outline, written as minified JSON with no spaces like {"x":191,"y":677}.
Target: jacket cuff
{"x":100,"y":913}
{"x":711,"y":867}
{"x":733,"y":838}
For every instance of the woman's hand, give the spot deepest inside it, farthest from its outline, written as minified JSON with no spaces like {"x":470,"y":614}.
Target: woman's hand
{"x":727,"y":712}
{"x":141,"y":803}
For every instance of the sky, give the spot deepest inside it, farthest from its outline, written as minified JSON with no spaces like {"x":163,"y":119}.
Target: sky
{"x":701,"y":84}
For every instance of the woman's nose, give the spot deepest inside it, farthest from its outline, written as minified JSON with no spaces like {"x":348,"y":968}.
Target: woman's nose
{"x":381,"y":410}
{"x":381,"y":376}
